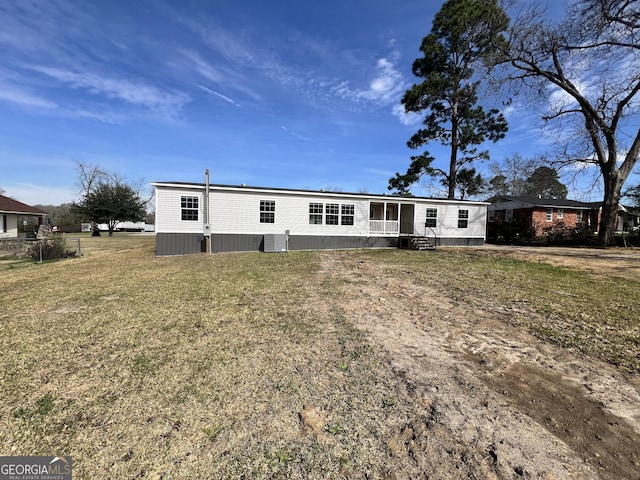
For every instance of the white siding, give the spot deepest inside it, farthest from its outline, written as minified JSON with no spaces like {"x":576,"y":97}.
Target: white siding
{"x":447,"y":220}
{"x":235,"y":210}
{"x":239,"y":212}
{"x":169,"y":213}
{"x":12,"y":226}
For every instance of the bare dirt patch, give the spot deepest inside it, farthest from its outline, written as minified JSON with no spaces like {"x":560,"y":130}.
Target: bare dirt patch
{"x":496,"y":399}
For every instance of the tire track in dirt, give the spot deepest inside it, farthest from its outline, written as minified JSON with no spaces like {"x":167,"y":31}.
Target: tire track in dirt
{"x":519,"y":407}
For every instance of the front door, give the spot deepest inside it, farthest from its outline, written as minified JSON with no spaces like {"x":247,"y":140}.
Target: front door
{"x":407,"y":217}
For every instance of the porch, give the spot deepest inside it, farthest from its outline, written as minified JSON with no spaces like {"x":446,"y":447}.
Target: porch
{"x":394,"y":218}
{"x":384,"y":218}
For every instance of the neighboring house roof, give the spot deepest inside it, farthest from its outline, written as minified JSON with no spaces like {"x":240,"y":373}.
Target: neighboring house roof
{"x":544,"y":202}
{"x":9,"y":205}
{"x":621,"y":208}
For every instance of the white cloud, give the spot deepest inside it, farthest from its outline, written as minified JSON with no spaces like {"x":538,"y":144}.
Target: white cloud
{"x":102,"y":115}
{"x":21,"y":97}
{"x":295,"y":134}
{"x":242,"y":54}
{"x":387,"y":86}
{"x":228,"y":44}
{"x":133,"y":93}
{"x":559,"y":98}
{"x":203,"y":68}
{"x":219,"y":95}
{"x":222,"y":75}
{"x":406,"y":118}
{"x":12,"y":90}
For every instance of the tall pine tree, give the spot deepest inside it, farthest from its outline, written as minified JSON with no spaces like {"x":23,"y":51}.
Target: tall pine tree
{"x":463,"y":35}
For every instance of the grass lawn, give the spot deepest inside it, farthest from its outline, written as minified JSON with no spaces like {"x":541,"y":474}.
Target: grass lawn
{"x":185,"y":367}
{"x":202,"y":366}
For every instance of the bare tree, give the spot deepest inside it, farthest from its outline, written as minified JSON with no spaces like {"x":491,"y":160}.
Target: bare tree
{"x":89,"y":176}
{"x":587,"y":68}
{"x":104,"y":194}
{"x":510,"y":175}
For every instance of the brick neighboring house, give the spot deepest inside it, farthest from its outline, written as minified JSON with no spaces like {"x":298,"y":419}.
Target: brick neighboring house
{"x":511,"y":216}
{"x":10,"y":210}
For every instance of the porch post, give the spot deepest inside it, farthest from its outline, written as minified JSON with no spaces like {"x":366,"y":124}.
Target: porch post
{"x":384,"y":215}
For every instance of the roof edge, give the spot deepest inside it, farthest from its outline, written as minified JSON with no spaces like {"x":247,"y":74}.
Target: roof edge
{"x":244,"y":187}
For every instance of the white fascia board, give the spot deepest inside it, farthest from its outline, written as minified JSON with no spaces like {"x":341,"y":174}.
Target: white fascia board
{"x":22,"y":214}
{"x":316,"y":193}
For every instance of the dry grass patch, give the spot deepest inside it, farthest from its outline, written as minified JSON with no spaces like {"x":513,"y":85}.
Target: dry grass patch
{"x":245,"y":365}
{"x":190,"y":367}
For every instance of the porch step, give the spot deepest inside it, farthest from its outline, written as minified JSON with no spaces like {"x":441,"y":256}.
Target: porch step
{"x":421,"y":243}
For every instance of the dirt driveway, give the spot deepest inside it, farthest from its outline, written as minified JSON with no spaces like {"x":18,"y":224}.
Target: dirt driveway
{"x":497,"y":402}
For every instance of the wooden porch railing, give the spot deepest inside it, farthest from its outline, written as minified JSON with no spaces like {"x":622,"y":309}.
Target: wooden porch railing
{"x":384,"y":226}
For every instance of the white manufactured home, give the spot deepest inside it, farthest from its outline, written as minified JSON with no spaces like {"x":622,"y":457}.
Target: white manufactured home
{"x":244,"y":218}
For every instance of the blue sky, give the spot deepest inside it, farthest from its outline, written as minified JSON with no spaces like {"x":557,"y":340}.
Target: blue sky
{"x":277,"y":94}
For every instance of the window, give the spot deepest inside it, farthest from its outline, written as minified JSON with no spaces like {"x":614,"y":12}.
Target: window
{"x":560,"y":214}
{"x":189,"y":206}
{"x":549,"y":214}
{"x":463,"y":218}
{"x":315,"y":214}
{"x":267,"y":211}
{"x":331,"y":210}
{"x":348,"y":211}
{"x":491,"y":216}
{"x":508,"y":215}
{"x":578,"y":217}
{"x":432,"y":216}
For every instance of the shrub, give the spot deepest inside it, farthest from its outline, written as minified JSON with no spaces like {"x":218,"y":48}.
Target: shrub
{"x":561,"y":234}
{"x":510,"y":232}
{"x":628,"y":239}
{"x":51,"y":249}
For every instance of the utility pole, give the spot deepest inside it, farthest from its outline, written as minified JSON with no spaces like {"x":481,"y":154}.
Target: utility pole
{"x":207,"y":226}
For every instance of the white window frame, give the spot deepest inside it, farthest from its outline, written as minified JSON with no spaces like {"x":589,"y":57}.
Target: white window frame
{"x":332,"y":214}
{"x":267,"y":211}
{"x":347,"y":213}
{"x":549,"y":214}
{"x":315,"y":213}
{"x":189,"y":208}
{"x":463,"y":218}
{"x":560,"y":213}
{"x":431,"y":217}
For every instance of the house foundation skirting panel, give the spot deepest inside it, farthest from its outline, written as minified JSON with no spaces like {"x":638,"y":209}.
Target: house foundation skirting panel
{"x":187,"y":243}
{"x":314,"y":242}
{"x":236,"y":242}
{"x":459,"y":242}
{"x":179,"y":243}
{"x":253,"y":243}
